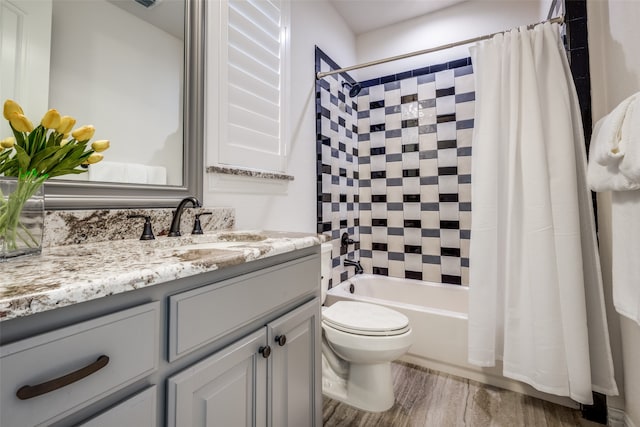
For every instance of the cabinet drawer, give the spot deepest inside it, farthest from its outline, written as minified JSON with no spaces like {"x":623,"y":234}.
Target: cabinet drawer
{"x":129,"y":339}
{"x":201,"y":316}
{"x":139,"y":411}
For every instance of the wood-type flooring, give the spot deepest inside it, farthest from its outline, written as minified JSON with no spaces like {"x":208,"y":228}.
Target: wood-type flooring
{"x":426,"y":398}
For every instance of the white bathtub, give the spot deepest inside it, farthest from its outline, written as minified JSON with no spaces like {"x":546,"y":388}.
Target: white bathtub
{"x":438,"y":317}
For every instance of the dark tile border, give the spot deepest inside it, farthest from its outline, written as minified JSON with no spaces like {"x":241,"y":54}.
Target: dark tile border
{"x":320,"y":55}
{"x":451,"y":65}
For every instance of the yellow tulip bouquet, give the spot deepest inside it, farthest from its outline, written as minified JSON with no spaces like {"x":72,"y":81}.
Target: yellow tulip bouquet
{"x":34,"y":154}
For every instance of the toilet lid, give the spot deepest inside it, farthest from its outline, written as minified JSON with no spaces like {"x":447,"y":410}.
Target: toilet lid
{"x":365,"y":319}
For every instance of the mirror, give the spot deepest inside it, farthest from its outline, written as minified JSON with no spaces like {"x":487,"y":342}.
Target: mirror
{"x":135,"y":70}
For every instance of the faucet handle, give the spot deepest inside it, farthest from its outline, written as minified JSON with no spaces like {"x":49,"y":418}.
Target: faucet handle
{"x":147,"y":232}
{"x":345,"y":241}
{"x":197,"y":227}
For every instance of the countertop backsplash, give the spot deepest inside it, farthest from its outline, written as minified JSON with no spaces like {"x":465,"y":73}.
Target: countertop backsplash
{"x":91,"y":226}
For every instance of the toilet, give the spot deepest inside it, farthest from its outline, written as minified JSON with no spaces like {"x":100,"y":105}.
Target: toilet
{"x":359,"y":342}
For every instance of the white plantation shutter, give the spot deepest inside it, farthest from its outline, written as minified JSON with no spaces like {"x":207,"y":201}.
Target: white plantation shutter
{"x":253,"y":71}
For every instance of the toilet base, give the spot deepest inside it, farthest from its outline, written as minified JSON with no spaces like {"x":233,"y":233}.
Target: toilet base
{"x":369,"y":387}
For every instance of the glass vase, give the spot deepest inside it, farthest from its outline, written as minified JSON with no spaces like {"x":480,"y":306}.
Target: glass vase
{"x":21,"y":216}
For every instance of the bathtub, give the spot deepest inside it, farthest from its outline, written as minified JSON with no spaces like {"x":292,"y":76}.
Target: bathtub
{"x":438,"y":317}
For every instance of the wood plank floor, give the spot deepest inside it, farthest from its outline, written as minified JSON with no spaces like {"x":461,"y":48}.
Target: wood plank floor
{"x":426,"y":398}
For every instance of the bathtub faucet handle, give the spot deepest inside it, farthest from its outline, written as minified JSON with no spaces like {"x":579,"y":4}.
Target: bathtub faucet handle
{"x":345,"y":241}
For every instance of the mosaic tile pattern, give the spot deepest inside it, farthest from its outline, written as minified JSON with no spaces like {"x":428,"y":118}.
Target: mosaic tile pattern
{"x":415,"y":175}
{"x":337,"y":166}
{"x":411,"y":163}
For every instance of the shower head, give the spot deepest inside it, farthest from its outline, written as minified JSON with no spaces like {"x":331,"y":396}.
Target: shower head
{"x":354,"y":88}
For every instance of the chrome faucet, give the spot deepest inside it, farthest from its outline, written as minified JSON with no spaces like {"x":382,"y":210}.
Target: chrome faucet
{"x":174,"y":231}
{"x":356,"y":264}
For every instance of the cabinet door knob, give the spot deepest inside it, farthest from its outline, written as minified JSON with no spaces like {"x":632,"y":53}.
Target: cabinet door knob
{"x":265,"y":351}
{"x":281,"y":339}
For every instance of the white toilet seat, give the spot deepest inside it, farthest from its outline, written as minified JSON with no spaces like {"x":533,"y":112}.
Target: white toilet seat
{"x":360,"y":318}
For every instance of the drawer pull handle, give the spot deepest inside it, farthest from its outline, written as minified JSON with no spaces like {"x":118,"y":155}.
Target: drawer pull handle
{"x":29,"y":391}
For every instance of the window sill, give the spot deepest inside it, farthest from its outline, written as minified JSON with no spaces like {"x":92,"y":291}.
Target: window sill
{"x":248,"y":172}
{"x":234,"y":179}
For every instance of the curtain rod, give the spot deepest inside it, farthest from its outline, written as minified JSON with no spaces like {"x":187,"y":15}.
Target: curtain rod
{"x":320,"y":75}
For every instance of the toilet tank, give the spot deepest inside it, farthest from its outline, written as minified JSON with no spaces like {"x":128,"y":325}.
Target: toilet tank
{"x":325,"y":268}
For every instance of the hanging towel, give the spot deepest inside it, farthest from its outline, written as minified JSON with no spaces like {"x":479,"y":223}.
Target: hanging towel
{"x":625,"y":227}
{"x":629,"y":146}
{"x":614,"y":154}
{"x":609,"y":138}
{"x":606,"y":177}
{"x":614,"y":165}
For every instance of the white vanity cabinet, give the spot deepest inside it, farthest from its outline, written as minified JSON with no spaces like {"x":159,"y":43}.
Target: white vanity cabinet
{"x":268,"y":378}
{"x":238,"y":346}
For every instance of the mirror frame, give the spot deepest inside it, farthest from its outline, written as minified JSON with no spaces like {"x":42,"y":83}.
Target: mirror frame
{"x":61,"y":194}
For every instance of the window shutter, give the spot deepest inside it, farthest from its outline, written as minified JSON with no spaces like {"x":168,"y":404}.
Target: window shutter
{"x":253,"y":72}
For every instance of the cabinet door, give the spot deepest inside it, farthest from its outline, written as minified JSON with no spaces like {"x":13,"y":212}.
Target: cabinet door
{"x":296,"y":394}
{"x":226,"y":389}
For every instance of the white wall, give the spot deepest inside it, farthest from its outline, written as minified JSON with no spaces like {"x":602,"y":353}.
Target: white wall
{"x":459,"y":22}
{"x":312,"y":23}
{"x":615,"y":75}
{"x":123,"y":75}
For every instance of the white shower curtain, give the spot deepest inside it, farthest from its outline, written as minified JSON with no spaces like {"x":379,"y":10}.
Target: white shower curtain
{"x":535,"y":291}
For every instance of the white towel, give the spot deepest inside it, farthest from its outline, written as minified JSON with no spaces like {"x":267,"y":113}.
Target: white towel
{"x":133,"y":173}
{"x":625,"y":211}
{"x":606,"y":177}
{"x":136,"y":173}
{"x":107,"y":172}
{"x":156,"y":175}
{"x":614,"y":154}
{"x":629,"y":146}
{"x":609,"y":138}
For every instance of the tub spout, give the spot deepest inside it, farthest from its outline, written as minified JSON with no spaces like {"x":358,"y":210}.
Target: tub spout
{"x":356,"y":264}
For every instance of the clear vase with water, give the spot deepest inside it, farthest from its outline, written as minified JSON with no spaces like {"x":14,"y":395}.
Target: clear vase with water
{"x":21,"y":216}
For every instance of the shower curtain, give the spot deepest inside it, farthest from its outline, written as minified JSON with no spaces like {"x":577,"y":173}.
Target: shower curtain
{"x":535,"y":291}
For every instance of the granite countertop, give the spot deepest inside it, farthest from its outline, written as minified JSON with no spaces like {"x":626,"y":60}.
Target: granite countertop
{"x":66,"y":275}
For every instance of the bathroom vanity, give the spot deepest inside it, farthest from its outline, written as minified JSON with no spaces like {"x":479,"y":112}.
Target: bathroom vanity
{"x":179,"y":332}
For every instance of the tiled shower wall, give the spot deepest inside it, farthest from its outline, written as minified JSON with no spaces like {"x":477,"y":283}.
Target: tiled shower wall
{"x":414,"y":147}
{"x":399,"y":181}
{"x":337,"y":165}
